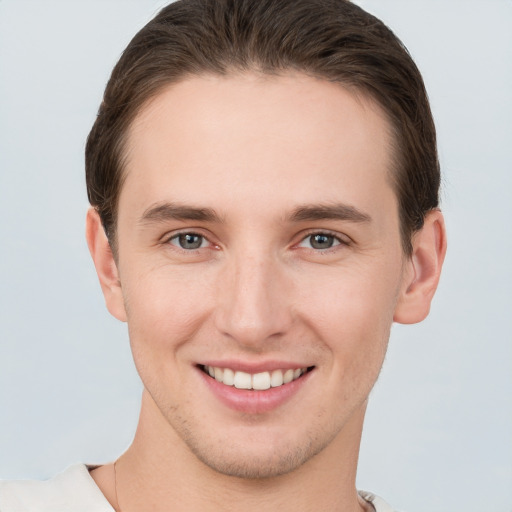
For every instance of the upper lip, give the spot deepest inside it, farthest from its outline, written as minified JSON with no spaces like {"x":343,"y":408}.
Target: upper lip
{"x":254,"y":367}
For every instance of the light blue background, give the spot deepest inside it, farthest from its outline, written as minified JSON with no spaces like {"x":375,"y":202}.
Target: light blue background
{"x":438,"y":436}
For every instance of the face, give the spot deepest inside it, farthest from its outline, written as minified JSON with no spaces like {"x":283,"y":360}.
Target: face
{"x":258,"y":240}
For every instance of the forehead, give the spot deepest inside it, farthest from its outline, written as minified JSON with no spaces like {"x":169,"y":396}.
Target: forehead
{"x":210,"y":137}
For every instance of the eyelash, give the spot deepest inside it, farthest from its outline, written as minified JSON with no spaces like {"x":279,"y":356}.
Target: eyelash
{"x":176,"y":236}
{"x":336,"y":240}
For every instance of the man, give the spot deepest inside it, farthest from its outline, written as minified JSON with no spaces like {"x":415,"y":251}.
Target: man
{"x":264,"y":187}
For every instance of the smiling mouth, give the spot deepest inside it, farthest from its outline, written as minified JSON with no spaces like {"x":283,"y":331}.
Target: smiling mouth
{"x":255,"y":381}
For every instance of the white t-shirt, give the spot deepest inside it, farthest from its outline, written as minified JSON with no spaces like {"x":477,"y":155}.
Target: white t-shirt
{"x":74,"y":490}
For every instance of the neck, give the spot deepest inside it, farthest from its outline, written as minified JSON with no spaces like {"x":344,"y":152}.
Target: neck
{"x":159,"y":469}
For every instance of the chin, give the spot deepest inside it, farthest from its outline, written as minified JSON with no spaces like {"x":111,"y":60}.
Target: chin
{"x":245,"y":463}
{"x":258,"y":455}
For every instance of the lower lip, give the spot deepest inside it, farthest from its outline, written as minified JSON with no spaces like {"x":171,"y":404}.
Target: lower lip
{"x":254,"y":401}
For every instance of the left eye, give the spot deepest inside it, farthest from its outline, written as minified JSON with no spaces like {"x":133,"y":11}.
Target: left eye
{"x":320,"y":241}
{"x":189,"y":241}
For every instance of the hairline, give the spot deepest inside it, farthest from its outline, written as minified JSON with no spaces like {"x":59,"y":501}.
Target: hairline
{"x":363,"y":95}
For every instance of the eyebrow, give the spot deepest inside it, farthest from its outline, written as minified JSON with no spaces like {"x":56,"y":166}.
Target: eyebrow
{"x":174,"y":211}
{"x":337,"y":211}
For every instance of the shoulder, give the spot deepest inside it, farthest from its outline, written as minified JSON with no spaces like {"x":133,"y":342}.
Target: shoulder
{"x":73,"y":489}
{"x":378,"y":503}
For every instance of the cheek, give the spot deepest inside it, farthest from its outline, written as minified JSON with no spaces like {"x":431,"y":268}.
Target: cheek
{"x":353,"y":313}
{"x":354,"y":328}
{"x":165,"y":307}
{"x":164,"y":314}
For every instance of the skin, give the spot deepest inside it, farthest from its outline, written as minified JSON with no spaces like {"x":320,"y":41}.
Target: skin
{"x":271,"y":157}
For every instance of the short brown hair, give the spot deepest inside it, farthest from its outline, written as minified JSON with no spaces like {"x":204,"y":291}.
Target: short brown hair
{"x":333,"y":40}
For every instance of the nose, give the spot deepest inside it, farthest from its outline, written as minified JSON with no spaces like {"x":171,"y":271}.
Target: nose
{"x":252,"y":306}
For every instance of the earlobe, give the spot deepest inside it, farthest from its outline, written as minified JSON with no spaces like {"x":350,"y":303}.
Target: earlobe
{"x":105,"y":264}
{"x":423,"y":271}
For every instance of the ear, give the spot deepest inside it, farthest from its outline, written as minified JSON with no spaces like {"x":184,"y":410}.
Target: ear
{"x":422,"y":270}
{"x":105,"y":264}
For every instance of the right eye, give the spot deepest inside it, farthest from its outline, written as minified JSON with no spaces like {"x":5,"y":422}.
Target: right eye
{"x":189,"y":241}
{"x":321,"y":241}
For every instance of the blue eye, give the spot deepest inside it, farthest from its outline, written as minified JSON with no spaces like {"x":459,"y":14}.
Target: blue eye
{"x":320,"y":241}
{"x":188,"y":241}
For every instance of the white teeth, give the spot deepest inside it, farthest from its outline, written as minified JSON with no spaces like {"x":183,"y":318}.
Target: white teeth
{"x":218,"y":374}
{"x":276,"y":378}
{"x":229,"y":377}
{"x":288,"y":376}
{"x":258,"y":381}
{"x":261,"y":381}
{"x":242,"y":380}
